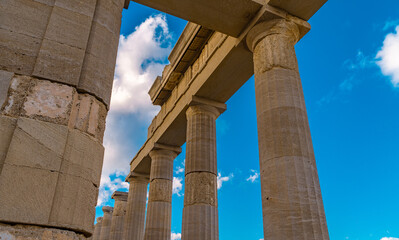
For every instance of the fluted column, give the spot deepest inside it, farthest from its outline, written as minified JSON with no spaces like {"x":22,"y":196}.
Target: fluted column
{"x":200,"y":212}
{"x":159,"y":210}
{"x":97,"y":229}
{"x":291,"y":196}
{"x":135,"y":212}
{"x":118,"y":216}
{"x":106,"y":223}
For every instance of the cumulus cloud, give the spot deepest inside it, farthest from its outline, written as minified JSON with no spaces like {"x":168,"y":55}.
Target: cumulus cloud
{"x":221,"y":179}
{"x":253,"y":176}
{"x":389,"y":238}
{"x":388,"y":59}
{"x":141,"y":57}
{"x":175,"y":236}
{"x":177,"y":185}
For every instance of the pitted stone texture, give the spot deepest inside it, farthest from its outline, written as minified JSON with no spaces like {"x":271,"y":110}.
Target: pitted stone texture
{"x":97,"y":229}
{"x":106,"y":223}
{"x":201,"y":188}
{"x":158,"y":225}
{"x":28,"y":232}
{"x":55,"y":103}
{"x":135,"y":211}
{"x":160,"y":191}
{"x":291,"y":197}
{"x":199,"y":222}
{"x":201,"y":139}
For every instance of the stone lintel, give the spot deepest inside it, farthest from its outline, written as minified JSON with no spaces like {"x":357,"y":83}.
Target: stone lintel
{"x":119,"y":196}
{"x":195,"y":100}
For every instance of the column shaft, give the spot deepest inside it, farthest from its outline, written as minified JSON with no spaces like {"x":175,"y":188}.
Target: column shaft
{"x":291,"y":196}
{"x":200,"y":213}
{"x":106,"y":223}
{"x":135,"y":212}
{"x":159,"y":211}
{"x":97,"y":229}
{"x":118,"y":216}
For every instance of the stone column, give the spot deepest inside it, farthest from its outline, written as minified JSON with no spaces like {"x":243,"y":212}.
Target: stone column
{"x":57,"y":64}
{"x":118,"y":216}
{"x":97,"y":229}
{"x":291,"y":196}
{"x":200,"y":212}
{"x":106,"y":223}
{"x":135,"y":212}
{"x":159,"y":210}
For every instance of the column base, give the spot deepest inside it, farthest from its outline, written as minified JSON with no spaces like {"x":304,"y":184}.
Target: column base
{"x":27,"y":232}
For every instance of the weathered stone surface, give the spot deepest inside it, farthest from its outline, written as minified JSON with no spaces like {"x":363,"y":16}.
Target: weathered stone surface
{"x":158,"y":225}
{"x":28,"y":232}
{"x":201,"y":139}
{"x":25,"y":17}
{"x":5,"y":80}
{"x":37,"y":144}
{"x":7,"y":126}
{"x":290,"y":185}
{"x":82,"y":7}
{"x":74,"y":203}
{"x":135,"y":211}
{"x":160,"y":190}
{"x":49,"y":101}
{"x":106,"y":223}
{"x":18,"y":51}
{"x":200,"y":214}
{"x":162,"y":164}
{"x":118,"y":216}
{"x":59,"y":62}
{"x":55,"y":103}
{"x":26,"y":194}
{"x":83,"y":157}
{"x":201,"y":188}
{"x":200,"y":221}
{"x":97,"y":229}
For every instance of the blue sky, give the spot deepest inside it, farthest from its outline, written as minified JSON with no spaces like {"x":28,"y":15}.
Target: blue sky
{"x":349,"y":65}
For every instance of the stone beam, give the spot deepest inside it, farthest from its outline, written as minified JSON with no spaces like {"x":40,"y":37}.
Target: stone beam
{"x":231,"y":17}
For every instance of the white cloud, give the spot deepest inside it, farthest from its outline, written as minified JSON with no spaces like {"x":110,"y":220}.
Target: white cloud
{"x":221,"y":179}
{"x":389,"y":238}
{"x":179,"y":170}
{"x":253,"y":176}
{"x":388,"y":57}
{"x":175,"y":236}
{"x":177,"y":185}
{"x":140,"y":59}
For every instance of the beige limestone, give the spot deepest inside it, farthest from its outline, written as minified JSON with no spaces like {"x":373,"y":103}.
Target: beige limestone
{"x":118,"y":216}
{"x":291,"y":196}
{"x":7,"y":127}
{"x":159,"y":210}
{"x":106,"y":223}
{"x":200,"y":214}
{"x":97,"y":229}
{"x":135,"y":211}
{"x":5,"y":80}
{"x":29,"y":232}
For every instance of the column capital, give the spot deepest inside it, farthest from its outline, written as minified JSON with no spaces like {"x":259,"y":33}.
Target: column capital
{"x":119,"y":196}
{"x":282,"y":27}
{"x":137,"y":177}
{"x":107,"y":209}
{"x":206,"y":106}
{"x":166,"y":150}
